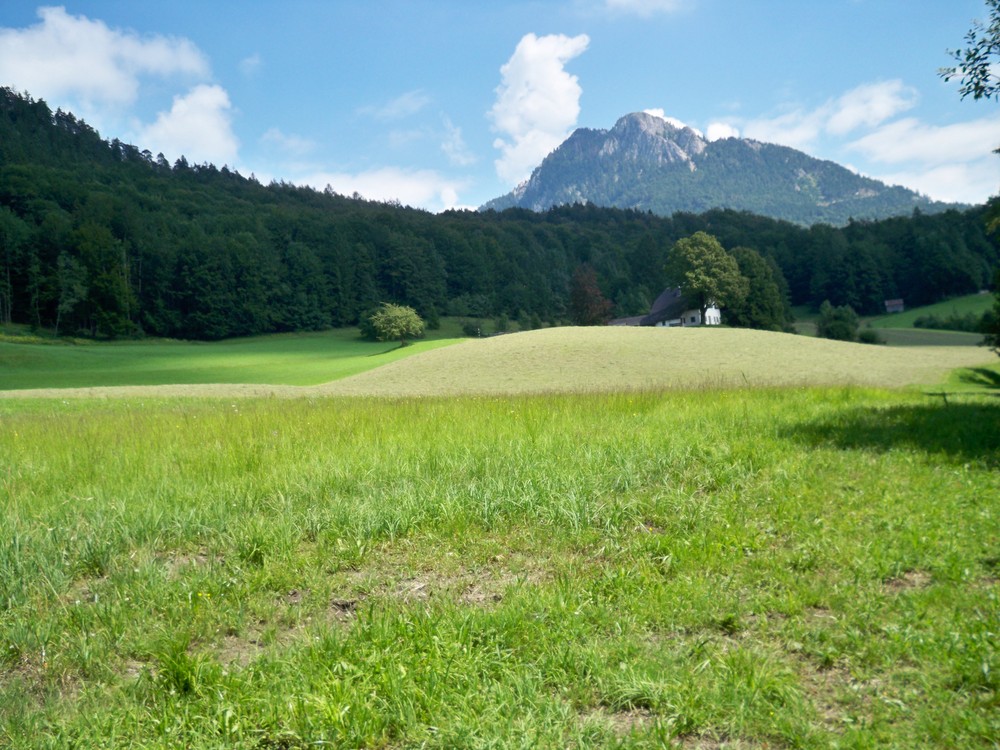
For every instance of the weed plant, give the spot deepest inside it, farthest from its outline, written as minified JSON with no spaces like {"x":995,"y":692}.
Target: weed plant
{"x":744,"y":568}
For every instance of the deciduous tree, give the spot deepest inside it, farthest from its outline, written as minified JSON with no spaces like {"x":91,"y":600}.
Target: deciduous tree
{"x":763,"y":306}
{"x":838,"y":323}
{"x":587,"y":305}
{"x":976,"y":64}
{"x":391,"y":322}
{"x":705,"y":272}
{"x":992,"y":337}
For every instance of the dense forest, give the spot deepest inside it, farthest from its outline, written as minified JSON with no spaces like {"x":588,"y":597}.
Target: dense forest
{"x":99,"y":238}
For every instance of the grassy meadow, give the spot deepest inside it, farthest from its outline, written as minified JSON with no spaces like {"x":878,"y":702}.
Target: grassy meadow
{"x":759,"y":558}
{"x":291,"y":359}
{"x":976,"y":304}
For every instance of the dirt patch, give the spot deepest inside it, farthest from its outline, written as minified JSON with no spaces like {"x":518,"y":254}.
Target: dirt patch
{"x":622,"y":723}
{"x":820,"y":614}
{"x":823,"y":688}
{"x":178,"y":562}
{"x":714,"y":743}
{"x":908,"y":581}
{"x":235,"y":651}
{"x":343,"y":609}
{"x":392,"y":578}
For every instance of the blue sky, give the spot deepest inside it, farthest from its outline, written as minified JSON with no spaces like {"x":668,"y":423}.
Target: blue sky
{"x":450,"y":103}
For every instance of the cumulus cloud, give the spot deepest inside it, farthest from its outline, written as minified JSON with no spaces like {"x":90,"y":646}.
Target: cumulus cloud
{"x":658,"y":112}
{"x":73,"y":57}
{"x":197,"y":126}
{"x":537,"y":102}
{"x":425,"y":188}
{"x":643,"y":8}
{"x":719,"y":130}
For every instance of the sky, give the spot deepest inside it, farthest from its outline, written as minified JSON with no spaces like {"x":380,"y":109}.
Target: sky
{"x":449,"y":103}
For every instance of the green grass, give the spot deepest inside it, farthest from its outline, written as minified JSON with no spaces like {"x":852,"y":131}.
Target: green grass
{"x":570,"y":360}
{"x":289,"y":359}
{"x":897,"y":329}
{"x":976,"y":304}
{"x":713,"y":568}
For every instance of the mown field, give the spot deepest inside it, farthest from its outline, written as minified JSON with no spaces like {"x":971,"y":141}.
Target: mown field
{"x":734,"y":562}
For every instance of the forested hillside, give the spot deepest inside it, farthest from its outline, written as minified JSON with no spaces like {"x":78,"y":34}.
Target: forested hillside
{"x":99,"y":238}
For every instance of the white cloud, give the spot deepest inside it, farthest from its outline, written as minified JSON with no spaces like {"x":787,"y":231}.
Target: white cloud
{"x":423,"y":188}
{"x":643,"y":8}
{"x":869,"y":105}
{"x":250,"y":65}
{"x":537,"y":102}
{"x":658,"y":112}
{"x":719,"y":130}
{"x":969,"y":182}
{"x":911,"y":140}
{"x":454,"y":146}
{"x":949,"y":162}
{"x":865,"y":106}
{"x":402,"y":106}
{"x":197,"y":126}
{"x":73,"y":57}
{"x":292,"y":145}
{"x":797,"y":129}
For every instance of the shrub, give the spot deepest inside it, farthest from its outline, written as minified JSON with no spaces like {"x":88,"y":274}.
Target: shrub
{"x":870,"y":336}
{"x":838,"y":323}
{"x":391,"y":322}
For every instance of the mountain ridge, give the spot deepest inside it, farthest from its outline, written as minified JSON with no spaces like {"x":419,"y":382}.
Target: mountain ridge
{"x":645,"y":162}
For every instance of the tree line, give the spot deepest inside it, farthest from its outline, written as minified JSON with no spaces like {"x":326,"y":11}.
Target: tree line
{"x":98,"y":238}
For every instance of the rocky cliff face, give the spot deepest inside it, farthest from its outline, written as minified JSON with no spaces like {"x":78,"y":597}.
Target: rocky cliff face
{"x":647,"y":163}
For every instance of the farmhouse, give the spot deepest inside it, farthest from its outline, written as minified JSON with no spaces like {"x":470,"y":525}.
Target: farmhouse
{"x":671,"y":309}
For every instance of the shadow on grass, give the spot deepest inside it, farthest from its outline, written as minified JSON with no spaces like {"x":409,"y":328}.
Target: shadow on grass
{"x":983,"y":377}
{"x":961,"y":431}
{"x":390,"y":349}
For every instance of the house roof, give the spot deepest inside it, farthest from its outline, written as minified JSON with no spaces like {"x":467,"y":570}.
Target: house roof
{"x":668,"y":306}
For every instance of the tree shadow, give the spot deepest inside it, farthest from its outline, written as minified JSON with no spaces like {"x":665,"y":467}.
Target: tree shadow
{"x":962,"y":432}
{"x":982,"y":377}
{"x":390,"y":349}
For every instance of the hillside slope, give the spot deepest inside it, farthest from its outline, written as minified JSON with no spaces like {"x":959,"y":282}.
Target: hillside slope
{"x":613,"y":359}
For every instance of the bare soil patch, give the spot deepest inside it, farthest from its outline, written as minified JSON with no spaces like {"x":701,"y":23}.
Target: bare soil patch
{"x":908,"y":581}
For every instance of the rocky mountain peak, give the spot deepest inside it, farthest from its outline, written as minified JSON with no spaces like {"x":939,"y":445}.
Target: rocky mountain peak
{"x":650,"y":139}
{"x":647,"y":162}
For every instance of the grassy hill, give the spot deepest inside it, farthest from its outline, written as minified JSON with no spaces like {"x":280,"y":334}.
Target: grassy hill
{"x":555,"y":360}
{"x":614,"y":359}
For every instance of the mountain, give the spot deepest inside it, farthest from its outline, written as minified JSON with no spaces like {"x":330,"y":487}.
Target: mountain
{"x":645,"y":162}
